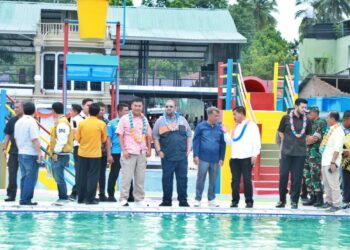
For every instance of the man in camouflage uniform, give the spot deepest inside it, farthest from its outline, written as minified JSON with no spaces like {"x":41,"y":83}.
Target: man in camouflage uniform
{"x":312,"y":169}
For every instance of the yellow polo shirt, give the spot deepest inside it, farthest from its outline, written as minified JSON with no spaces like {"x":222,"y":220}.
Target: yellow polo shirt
{"x":91,"y":133}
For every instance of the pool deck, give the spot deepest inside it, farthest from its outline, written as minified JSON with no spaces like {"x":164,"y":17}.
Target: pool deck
{"x":264,"y":206}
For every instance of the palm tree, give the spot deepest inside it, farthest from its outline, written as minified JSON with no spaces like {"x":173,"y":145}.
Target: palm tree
{"x":262,"y":10}
{"x":333,"y":10}
{"x":325,"y":11}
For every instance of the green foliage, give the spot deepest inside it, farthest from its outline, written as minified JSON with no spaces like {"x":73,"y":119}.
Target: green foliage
{"x":120,"y":2}
{"x":242,"y":14}
{"x":267,"y":47}
{"x":6,"y":57}
{"x":186,"y":3}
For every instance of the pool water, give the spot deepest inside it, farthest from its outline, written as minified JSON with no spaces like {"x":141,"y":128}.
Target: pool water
{"x":155,"y":231}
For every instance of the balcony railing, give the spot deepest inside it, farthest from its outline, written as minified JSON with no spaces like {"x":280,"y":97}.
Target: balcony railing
{"x":169,"y":78}
{"x":56,"y":29}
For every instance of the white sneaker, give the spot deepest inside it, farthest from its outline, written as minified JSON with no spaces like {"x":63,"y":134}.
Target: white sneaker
{"x":124,"y":203}
{"x":212,"y":203}
{"x":140,"y":204}
{"x":197,"y":203}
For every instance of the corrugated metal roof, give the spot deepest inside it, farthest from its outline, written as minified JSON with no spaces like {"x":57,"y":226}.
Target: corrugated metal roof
{"x":142,"y":23}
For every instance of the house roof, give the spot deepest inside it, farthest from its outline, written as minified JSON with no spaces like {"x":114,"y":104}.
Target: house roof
{"x":142,"y":23}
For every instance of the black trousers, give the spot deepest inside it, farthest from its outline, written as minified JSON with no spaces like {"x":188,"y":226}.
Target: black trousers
{"x":88,"y":177}
{"x":75,"y":189}
{"x":346,"y":186}
{"x":241,"y":167}
{"x":102,"y":179}
{"x":13,"y":170}
{"x":295,"y":166}
{"x":113,"y":177}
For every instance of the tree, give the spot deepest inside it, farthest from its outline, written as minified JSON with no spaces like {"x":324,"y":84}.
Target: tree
{"x":333,"y":10}
{"x":242,"y":14}
{"x":218,"y":4}
{"x":120,"y":2}
{"x":267,"y":47}
{"x":262,"y":12}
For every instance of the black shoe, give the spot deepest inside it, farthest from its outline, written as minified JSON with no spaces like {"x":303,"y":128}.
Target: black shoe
{"x":131,"y":199}
{"x":165,"y":204}
{"x":93,"y":202}
{"x":345,"y":205}
{"x":72,"y":197}
{"x":333,"y":209}
{"x":234,"y":204}
{"x":304,"y":198}
{"x":319,"y":200}
{"x":9,"y":199}
{"x":111,"y":199}
{"x":28,"y":203}
{"x":281,"y":204}
{"x":184,"y":204}
{"x":81,"y":201}
{"x":326,"y":205}
{"x":249,"y":205}
{"x":103,"y":198}
{"x":311,"y":201}
{"x":294,"y":205}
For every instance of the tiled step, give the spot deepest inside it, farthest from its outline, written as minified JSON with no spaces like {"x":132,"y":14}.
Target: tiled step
{"x":269,"y":170}
{"x":266,"y":191}
{"x":266,"y":184}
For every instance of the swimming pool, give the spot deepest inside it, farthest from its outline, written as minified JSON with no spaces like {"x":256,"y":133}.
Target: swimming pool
{"x":167,"y":231}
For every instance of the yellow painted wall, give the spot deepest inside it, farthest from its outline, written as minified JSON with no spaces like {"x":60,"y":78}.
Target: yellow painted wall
{"x":269,"y":120}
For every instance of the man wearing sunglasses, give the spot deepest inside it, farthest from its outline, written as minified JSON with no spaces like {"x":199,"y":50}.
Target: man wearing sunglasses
{"x":172,"y":138}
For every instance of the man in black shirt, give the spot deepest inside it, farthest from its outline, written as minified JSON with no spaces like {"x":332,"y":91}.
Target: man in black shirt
{"x":294,"y":129}
{"x":13,"y":153}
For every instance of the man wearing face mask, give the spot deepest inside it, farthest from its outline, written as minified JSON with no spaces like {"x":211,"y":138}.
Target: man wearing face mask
{"x":246,"y":144}
{"x":294,"y":129}
{"x":173,"y":142}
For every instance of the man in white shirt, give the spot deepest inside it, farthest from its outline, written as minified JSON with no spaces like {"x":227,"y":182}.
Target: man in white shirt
{"x":78,"y":114}
{"x":331,"y":148}
{"x":245,"y":144}
{"x":29,"y":153}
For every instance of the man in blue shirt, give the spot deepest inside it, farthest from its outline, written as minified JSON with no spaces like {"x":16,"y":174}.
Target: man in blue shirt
{"x":208,"y":153}
{"x":113,"y":153}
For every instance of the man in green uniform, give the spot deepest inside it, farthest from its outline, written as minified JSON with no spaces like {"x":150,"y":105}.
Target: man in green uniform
{"x":312,"y":169}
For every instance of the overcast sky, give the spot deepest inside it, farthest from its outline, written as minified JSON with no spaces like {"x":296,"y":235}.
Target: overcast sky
{"x":286,"y":22}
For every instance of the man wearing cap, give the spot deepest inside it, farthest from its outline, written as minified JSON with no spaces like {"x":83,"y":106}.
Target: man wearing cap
{"x":312,"y":168}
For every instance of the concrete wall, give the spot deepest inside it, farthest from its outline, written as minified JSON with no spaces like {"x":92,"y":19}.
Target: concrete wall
{"x":312,"y":48}
{"x":336,"y":51}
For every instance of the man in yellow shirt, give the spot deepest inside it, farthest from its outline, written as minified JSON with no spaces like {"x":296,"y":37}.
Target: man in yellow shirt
{"x":91,"y":134}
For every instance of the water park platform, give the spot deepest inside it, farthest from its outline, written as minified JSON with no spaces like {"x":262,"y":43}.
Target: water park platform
{"x":264,"y":206}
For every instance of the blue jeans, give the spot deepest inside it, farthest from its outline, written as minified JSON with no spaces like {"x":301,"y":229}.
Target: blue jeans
{"x":29,"y":176}
{"x":58,"y":174}
{"x":180,"y":169}
{"x":204,"y":168}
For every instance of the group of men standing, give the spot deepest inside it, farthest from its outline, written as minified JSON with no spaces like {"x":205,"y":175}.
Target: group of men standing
{"x":313,"y":149}
{"x":125,"y":143}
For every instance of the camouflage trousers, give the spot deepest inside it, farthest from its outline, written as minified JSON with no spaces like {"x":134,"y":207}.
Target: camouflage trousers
{"x":312,"y":174}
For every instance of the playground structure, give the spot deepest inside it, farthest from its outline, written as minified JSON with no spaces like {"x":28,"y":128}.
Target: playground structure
{"x":264,"y":108}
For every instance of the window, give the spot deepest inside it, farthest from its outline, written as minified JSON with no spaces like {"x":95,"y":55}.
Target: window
{"x":321,"y":65}
{"x":49,"y":71}
{"x":80,"y":85}
{"x":96,"y":86}
{"x":52,"y":69}
{"x":60,"y":74}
